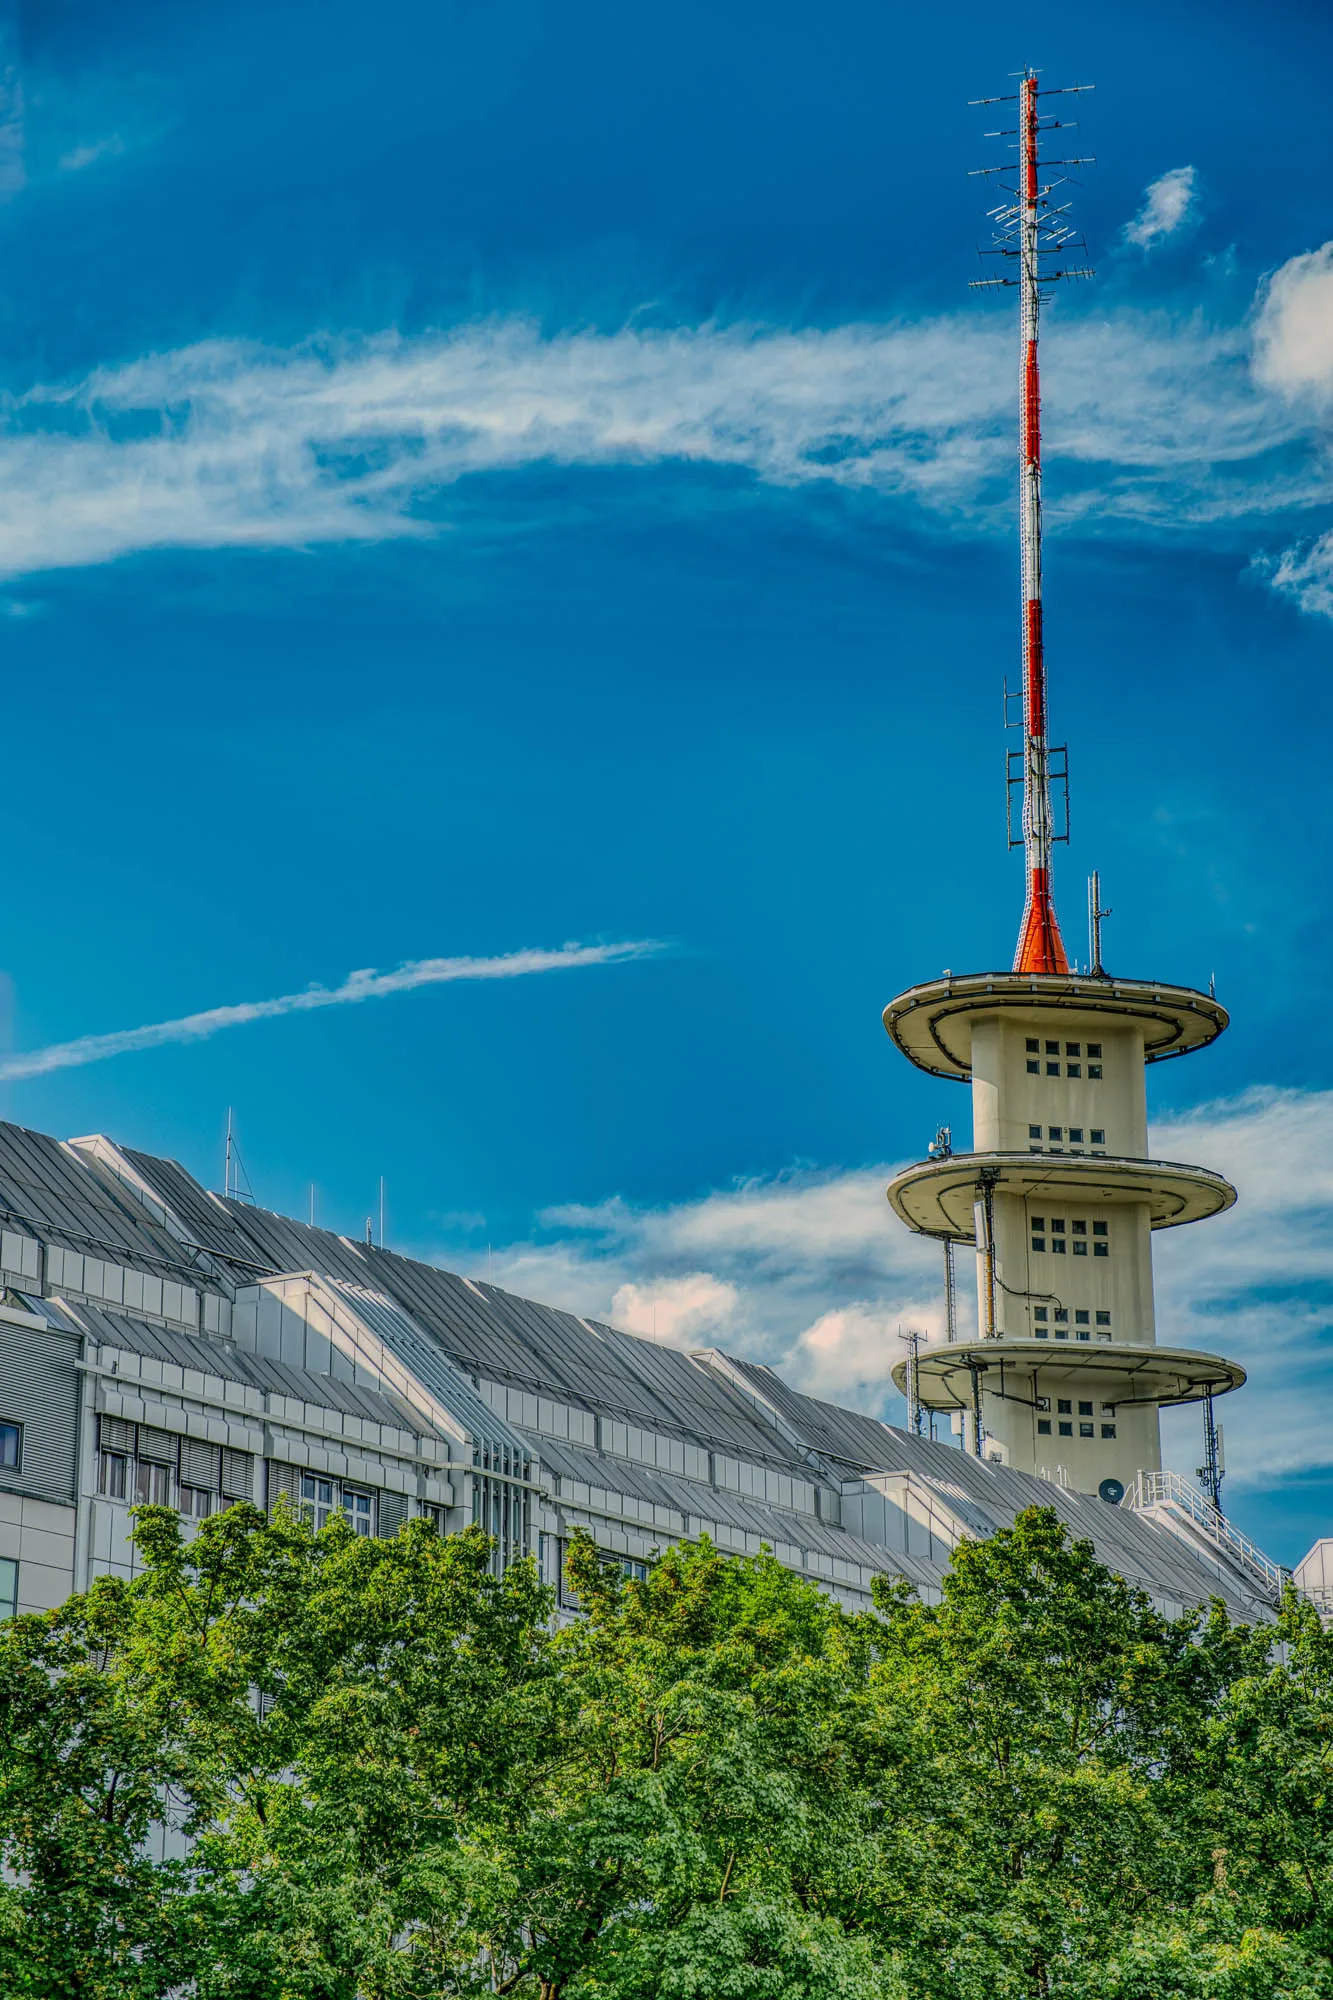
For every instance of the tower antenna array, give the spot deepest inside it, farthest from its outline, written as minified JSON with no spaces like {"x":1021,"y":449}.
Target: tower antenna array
{"x":1031,"y":227}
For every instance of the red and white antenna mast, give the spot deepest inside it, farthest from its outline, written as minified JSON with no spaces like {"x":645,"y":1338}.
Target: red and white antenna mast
{"x":1032,"y":228}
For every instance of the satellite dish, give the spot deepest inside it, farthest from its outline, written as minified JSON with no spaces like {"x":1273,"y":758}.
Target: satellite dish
{"x":1111,"y":1491}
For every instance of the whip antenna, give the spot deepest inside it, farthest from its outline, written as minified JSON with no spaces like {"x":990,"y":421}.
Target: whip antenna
{"x":1032,"y":227}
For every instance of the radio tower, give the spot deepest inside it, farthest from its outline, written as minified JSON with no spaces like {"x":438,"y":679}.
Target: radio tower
{"x":1057,"y":1195}
{"x":1031,"y":228}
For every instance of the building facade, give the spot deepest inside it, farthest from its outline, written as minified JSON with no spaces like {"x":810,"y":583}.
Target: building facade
{"x":160,"y":1343}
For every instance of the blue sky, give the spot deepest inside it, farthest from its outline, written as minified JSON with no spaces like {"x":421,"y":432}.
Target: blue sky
{"x":480,"y":477}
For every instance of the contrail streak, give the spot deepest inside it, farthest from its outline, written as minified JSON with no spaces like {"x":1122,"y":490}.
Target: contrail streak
{"x":366,"y":985}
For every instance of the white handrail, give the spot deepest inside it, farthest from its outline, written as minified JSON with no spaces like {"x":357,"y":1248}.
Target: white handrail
{"x":1168,"y":1489}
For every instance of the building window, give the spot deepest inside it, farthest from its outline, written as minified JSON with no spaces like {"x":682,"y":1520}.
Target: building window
{"x":1052,"y":1069}
{"x":1097,"y":1136}
{"x":9,"y":1588}
{"x":1076,"y":1135}
{"x":1054,"y":1131}
{"x":1034,"y":1131}
{"x":1066,"y":1430}
{"x":11,"y":1446}
{"x":1033,"y":1046}
{"x":360,"y":1511}
{"x":1065,"y":1407}
{"x":111,"y":1478}
{"x":1073,"y":1069}
{"x":1108,"y":1430}
{"x":197,"y":1501}
{"x":1085,"y":1409}
{"x":152,"y":1484}
{"x":1085,"y":1430}
{"x":1080,"y":1319}
{"x":1040,"y":1312}
{"x":1094,"y":1072}
{"x":1101,"y":1250}
{"x":1052,"y":1048}
{"x":1103,"y":1319}
{"x":317,"y":1502}
{"x":1043,"y":1427}
{"x":1073,"y":1048}
{"x":1108,"y":1409}
{"x":1034,"y":1068}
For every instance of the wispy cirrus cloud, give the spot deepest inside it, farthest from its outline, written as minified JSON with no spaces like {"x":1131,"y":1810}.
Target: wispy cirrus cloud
{"x":1168,"y":204}
{"x":810,"y":1273}
{"x":1157,"y":423}
{"x":358,"y":986}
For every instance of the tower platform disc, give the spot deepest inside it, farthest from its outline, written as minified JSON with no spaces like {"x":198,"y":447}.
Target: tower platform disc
{"x":932,"y":1024}
{"x":938,"y":1197}
{"x":1156,"y":1375}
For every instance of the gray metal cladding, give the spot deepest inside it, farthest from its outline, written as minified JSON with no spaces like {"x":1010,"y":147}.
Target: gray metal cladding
{"x":39,"y":1389}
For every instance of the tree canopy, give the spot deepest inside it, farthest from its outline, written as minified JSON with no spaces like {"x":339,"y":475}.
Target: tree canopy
{"x":282,"y":1765}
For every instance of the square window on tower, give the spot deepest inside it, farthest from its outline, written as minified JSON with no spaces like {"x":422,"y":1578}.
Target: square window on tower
{"x":1033,"y":1046}
{"x":1034,"y":1131}
{"x":1059,"y":1246}
{"x":1094,"y":1048}
{"x":1055,"y":1131}
{"x":1101,"y":1249}
{"x":1079,"y":1226}
{"x":1098,"y":1136}
{"x":1052,"y":1069}
{"x":1043,"y":1427}
{"x":1100,"y":1228}
{"x":1073,"y":1048}
{"x":1080,"y":1249}
{"x":1064,"y":1406}
{"x":1080,"y":1319}
{"x":1086,"y":1431}
{"x":1062,"y":1312}
{"x":1040,"y":1312}
{"x":1103,"y":1319}
{"x":1073,"y":1069}
{"x":1094,"y":1072}
{"x":1108,"y":1430}
{"x":1052,"y":1048}
{"x":1039,"y":1242}
{"x":1057,"y":1225}
{"x":1076,"y":1135}
{"x":1034,"y":1067}
{"x":1066,"y":1430}
{"x":1085,"y":1409}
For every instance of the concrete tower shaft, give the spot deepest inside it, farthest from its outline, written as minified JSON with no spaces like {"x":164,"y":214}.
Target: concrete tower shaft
{"x":1060,"y":1201}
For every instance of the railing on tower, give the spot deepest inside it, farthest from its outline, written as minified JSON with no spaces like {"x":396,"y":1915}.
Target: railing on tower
{"x":1176,"y":1495}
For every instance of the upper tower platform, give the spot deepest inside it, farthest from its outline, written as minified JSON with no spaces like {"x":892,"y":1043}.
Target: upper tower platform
{"x":934,"y":1024}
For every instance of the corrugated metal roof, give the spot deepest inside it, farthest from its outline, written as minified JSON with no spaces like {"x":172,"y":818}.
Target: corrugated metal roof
{"x":218,"y":1358}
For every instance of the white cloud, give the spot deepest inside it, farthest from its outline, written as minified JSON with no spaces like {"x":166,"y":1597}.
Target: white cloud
{"x":358,"y":986}
{"x":810,"y":1273}
{"x":1293,"y":340}
{"x":1159,"y":423}
{"x":675,"y":1310}
{"x":87,"y":155}
{"x":1168,"y":203}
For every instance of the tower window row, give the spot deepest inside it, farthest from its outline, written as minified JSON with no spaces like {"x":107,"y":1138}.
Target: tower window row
{"x":1055,"y":1319}
{"x":1048,"y":1056}
{"x":1063,"y":1236}
{"x":1062,"y":1138}
{"x":1064,"y":1406}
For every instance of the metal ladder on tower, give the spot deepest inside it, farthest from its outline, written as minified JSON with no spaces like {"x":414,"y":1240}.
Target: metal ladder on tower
{"x":1167,"y":1497}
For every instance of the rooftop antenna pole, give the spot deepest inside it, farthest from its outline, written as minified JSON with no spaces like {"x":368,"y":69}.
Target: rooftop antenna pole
{"x":1210,"y":1473}
{"x":312,"y":1204}
{"x":950,"y":1298}
{"x":1095,"y":916}
{"x":226,"y":1161}
{"x":381,"y":1211}
{"x":1031,"y":228}
{"x":914,"y":1414}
